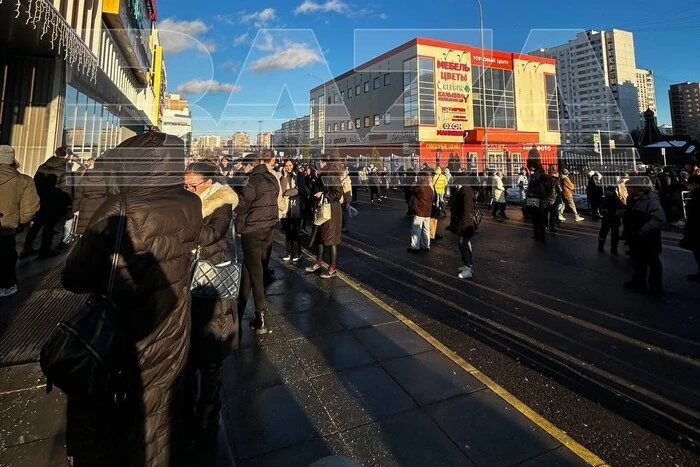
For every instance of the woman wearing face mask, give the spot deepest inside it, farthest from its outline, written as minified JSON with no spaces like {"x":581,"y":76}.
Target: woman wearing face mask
{"x":214,"y":327}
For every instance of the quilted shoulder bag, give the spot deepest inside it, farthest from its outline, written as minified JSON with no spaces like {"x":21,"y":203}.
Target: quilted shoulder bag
{"x":215,"y":281}
{"x":85,"y":357}
{"x":322,"y":214}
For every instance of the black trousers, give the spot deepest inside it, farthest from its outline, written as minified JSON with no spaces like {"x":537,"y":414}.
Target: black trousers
{"x":610,"y":224}
{"x":373,"y":192}
{"x":8,"y":261}
{"x":254,"y":247}
{"x":647,"y":264}
{"x":202,"y":395}
{"x":47,"y":221}
{"x":553,"y":216}
{"x":498,"y":208}
{"x":291,"y":235}
{"x":539,"y":218}
{"x":355,"y":189}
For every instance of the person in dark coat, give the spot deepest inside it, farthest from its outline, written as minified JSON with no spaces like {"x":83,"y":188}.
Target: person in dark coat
{"x":420,"y":205}
{"x":258,"y":214}
{"x":151,"y":291}
{"x":328,"y":234}
{"x":51,"y":180}
{"x":644,"y":219}
{"x":612,"y":209}
{"x":691,"y":230}
{"x":536,"y":202}
{"x":291,"y":222}
{"x":91,"y":189}
{"x":595,"y":193}
{"x":214,"y":321}
{"x":462,"y":224}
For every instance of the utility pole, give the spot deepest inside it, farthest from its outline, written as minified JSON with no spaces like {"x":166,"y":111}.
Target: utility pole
{"x":483,"y":99}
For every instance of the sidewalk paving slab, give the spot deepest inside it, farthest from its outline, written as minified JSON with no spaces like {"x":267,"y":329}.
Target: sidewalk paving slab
{"x":370,"y":388}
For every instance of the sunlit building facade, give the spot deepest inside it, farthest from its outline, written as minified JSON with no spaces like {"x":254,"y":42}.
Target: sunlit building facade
{"x":82,"y":74}
{"x":437,"y":101}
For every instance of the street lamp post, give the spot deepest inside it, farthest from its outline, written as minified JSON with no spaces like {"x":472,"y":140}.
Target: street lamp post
{"x":323,"y":141}
{"x":483,"y":99}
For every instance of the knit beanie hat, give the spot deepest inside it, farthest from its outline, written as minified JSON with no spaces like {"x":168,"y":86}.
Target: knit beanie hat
{"x":7,"y":154}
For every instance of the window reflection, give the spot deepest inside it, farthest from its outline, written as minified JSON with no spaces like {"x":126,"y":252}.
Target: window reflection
{"x":89,"y":128}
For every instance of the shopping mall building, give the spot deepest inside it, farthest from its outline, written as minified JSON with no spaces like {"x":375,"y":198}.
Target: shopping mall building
{"x":428,"y":100}
{"x":85,"y":74}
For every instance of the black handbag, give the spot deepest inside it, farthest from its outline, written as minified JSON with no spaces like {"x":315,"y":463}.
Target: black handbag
{"x":217,"y":280}
{"x":85,"y":356}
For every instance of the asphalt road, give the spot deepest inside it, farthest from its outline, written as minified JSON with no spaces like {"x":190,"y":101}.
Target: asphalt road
{"x":618,"y":371}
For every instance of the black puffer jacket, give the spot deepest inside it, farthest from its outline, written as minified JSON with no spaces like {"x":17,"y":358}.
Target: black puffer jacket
{"x":461,"y":212}
{"x":214,"y":323}
{"x":163,"y":222}
{"x":257,"y":209}
{"x":90,"y":190}
{"x":52,"y":185}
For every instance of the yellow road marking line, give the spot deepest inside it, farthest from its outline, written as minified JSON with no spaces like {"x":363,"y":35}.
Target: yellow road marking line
{"x":578,"y":449}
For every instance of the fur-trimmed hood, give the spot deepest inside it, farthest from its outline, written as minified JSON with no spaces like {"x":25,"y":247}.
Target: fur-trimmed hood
{"x":216,"y":196}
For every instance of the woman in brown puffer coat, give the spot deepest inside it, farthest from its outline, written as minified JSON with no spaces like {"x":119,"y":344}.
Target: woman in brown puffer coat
{"x":329,"y":186}
{"x":151,"y":291}
{"x":214,"y":326}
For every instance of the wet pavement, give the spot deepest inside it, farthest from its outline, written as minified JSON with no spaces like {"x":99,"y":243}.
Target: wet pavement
{"x":618,"y":371}
{"x":338,"y":374}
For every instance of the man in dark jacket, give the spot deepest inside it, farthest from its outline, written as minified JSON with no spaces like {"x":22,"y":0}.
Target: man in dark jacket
{"x":151,"y":292}
{"x":536,"y":202}
{"x":612,"y":209}
{"x":420,"y":205}
{"x":644,"y":219}
{"x":462,"y":224}
{"x":18,"y":204}
{"x":51,"y":182}
{"x":258,"y":214}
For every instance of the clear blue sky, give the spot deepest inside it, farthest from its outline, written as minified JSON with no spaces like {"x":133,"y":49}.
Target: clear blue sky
{"x":243,"y":62}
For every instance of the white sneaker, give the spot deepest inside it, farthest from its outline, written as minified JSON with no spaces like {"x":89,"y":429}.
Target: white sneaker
{"x":9,"y":291}
{"x":579,"y":219}
{"x":466,"y":273}
{"x":562,"y":218}
{"x":462,"y":268}
{"x":287,"y":258}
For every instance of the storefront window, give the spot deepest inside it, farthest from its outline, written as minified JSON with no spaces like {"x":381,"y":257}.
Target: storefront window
{"x":552,"y":104}
{"x":426,"y":90}
{"x":492,"y":90}
{"x":89,"y":128}
{"x":410,"y":92}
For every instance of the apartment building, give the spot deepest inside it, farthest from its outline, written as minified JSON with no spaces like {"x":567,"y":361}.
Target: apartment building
{"x":600,"y":86}
{"x":684,"y":99}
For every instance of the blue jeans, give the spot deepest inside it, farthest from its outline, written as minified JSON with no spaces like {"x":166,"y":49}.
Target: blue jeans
{"x":420,"y":232}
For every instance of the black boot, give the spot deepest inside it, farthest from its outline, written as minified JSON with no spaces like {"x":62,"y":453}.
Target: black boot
{"x":258,"y":324}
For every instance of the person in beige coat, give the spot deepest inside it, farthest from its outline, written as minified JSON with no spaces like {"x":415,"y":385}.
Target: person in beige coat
{"x":19,"y":202}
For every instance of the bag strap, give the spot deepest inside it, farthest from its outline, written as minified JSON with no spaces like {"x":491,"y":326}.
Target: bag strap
{"x":233,"y":235}
{"x":118,"y":245}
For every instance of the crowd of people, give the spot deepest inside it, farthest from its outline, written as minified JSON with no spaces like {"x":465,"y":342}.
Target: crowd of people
{"x":177,"y":341}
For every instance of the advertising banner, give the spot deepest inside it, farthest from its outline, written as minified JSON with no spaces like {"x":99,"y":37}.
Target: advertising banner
{"x":453,"y":98}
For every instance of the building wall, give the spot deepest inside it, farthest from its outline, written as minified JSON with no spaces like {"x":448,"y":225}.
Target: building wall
{"x":684,"y":99}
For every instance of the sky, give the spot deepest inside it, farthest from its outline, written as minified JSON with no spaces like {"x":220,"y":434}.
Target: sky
{"x":249,"y":65}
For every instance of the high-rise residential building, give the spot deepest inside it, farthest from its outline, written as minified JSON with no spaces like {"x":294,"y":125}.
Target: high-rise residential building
{"x":600,"y":86}
{"x":293,"y":133}
{"x":646,"y":91}
{"x":264,"y":140}
{"x":92,"y":77}
{"x":209,"y":142}
{"x":241,"y":141}
{"x":684,"y":99}
{"x":177,"y":119}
